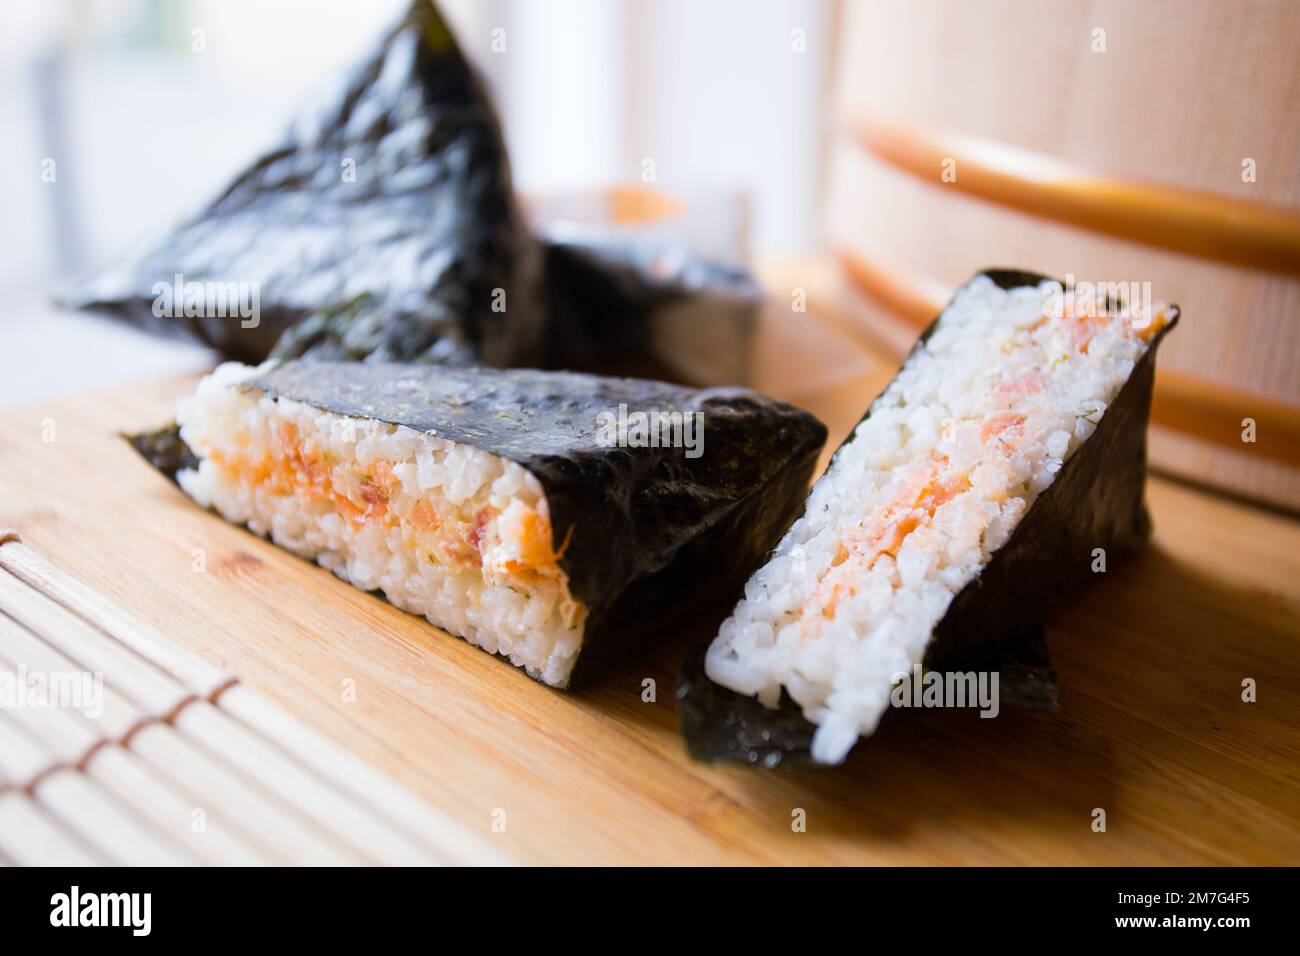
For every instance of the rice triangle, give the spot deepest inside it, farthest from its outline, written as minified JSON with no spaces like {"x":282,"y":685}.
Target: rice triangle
{"x":979,"y":492}
{"x":381,"y":224}
{"x":531,"y":513}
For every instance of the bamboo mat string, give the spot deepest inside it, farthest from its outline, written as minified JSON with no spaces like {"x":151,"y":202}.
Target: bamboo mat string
{"x":21,"y":759}
{"x":69,"y":740}
{"x":216,"y":789}
{"x":105,"y":824}
{"x":118,"y":719}
{"x":287,"y":786}
{"x":247,"y":796}
{"x":76,"y":743}
{"x":334,"y":818}
{"x":163,"y":700}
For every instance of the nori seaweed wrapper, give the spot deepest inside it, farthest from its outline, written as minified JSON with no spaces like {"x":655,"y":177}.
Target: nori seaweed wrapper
{"x":381,"y":227}
{"x":647,"y":536}
{"x":420,"y":252}
{"x":720,"y":725}
{"x":995,"y":622}
{"x":165,"y":450}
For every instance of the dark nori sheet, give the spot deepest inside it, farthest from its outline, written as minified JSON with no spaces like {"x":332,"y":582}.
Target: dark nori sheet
{"x":164,"y":449}
{"x":648,"y":536}
{"x":404,"y":263}
{"x":401,"y":263}
{"x":720,"y":725}
{"x":1026,"y":678}
{"x":995,"y":622}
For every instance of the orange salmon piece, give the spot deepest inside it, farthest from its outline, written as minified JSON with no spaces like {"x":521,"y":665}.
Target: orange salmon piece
{"x":1000,"y":423}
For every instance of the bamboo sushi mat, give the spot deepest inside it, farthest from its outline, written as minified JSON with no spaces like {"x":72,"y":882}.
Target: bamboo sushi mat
{"x":153,"y":756}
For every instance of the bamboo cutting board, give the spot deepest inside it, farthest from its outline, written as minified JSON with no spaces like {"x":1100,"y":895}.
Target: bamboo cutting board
{"x":1152,"y":727}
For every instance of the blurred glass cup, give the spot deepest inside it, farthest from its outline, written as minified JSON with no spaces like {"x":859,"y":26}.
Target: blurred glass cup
{"x":711,"y":224}
{"x":681,"y":256}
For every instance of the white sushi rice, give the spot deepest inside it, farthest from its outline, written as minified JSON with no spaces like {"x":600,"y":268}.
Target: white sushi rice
{"x":847,"y":603}
{"x":443,"y":529}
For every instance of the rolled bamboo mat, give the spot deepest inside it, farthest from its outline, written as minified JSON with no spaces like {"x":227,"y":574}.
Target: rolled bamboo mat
{"x":167,"y":760}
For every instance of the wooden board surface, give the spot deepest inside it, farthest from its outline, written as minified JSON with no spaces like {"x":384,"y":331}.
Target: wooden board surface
{"x":1152,"y":727}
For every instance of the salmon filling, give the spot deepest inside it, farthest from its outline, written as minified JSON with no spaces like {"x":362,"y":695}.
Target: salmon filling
{"x":976,"y":425}
{"x":443,"y":529}
{"x":517,"y":543}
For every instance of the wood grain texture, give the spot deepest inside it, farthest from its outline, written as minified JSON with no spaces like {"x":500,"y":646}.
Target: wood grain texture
{"x":1152,"y":727}
{"x":1205,"y":411}
{"x":1185,"y":91}
{"x":1238,"y":231}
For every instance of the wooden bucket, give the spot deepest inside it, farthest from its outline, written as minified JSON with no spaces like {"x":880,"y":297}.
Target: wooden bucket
{"x":1152,"y":142}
